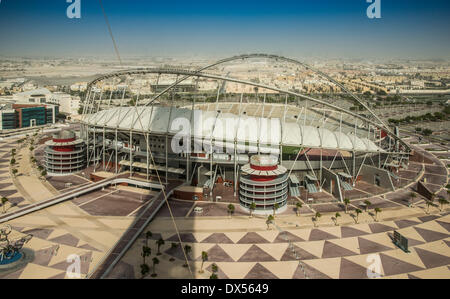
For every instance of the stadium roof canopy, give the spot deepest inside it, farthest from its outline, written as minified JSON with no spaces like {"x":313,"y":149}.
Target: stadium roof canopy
{"x":226,"y":128}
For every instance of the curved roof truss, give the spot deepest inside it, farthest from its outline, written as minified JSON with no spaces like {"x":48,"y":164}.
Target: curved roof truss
{"x":196,"y":73}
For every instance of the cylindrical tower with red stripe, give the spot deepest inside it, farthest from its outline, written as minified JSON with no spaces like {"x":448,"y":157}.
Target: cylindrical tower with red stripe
{"x":64,"y":154}
{"x":264,"y":183}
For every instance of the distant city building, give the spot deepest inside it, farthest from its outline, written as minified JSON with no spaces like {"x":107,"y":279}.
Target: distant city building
{"x":182,"y":87}
{"x":67,"y":104}
{"x":27,"y":115}
{"x":80,"y":86}
{"x":35,"y":96}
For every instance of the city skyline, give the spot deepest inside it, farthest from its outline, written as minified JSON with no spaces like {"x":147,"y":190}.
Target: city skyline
{"x":325,"y":29}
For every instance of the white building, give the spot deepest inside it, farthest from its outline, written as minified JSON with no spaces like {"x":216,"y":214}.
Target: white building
{"x":80,"y":86}
{"x":35,"y":96}
{"x":67,"y":103}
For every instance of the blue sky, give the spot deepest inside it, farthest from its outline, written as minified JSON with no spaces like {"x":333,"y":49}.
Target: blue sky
{"x":301,"y":28}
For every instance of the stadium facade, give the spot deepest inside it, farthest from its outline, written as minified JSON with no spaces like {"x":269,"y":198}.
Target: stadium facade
{"x":321,"y":145}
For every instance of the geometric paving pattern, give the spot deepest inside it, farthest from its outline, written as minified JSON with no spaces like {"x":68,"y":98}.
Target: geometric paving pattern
{"x":326,"y":252}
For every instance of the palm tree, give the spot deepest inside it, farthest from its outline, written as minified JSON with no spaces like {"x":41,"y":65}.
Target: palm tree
{"x":299,"y":206}
{"x":144,"y":270}
{"x":148,"y":235}
{"x":367,"y":204}
{"x":155,"y":262}
{"x":316,"y":218}
{"x":173,"y":246}
{"x":14,"y":172}
{"x":357,"y":211}
{"x":428,"y":203}
{"x":276,"y":206}
{"x":213,"y":276}
{"x":214,"y":268}
{"x":146,"y":251}
{"x":336,"y":216}
{"x":159,"y":243}
{"x":187,"y":250}
{"x":377,"y":210}
{"x":269,"y":220}
{"x":230,"y":209}
{"x":346,"y":203}
{"x":252,"y":208}
{"x":412,"y":195}
{"x":443,"y":202}
{"x":4,"y":201}
{"x":204,"y":259}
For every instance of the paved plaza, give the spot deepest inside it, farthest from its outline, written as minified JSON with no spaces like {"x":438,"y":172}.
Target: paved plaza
{"x":93,"y":224}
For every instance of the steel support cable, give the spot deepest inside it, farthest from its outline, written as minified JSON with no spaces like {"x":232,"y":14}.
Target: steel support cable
{"x":110,"y":32}
{"x":146,"y":140}
{"x":165,"y":195}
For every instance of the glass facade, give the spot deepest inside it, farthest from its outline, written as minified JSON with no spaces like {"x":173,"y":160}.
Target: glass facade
{"x":24,"y":117}
{"x":37,"y":113}
{"x":8,"y":120}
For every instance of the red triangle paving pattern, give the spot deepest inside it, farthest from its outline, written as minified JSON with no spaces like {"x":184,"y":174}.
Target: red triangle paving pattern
{"x":66,"y":239}
{"x":260,"y":272}
{"x":367,"y":246}
{"x":218,"y":238}
{"x":85,"y":261}
{"x":351,"y":270}
{"x":380,"y":228}
{"x":445,"y":225}
{"x":301,"y":253}
{"x":13,"y":275}
{"x":122,"y":270}
{"x":428,"y":218}
{"x":220,"y":273}
{"x":89,"y":247}
{"x":317,"y":235}
{"x":311,"y":272}
{"x":43,"y":256}
{"x":256,"y":254}
{"x":185,"y":237}
{"x":217,"y":254}
{"x":348,"y":231}
{"x":41,"y":233}
{"x":393,"y":266}
{"x":252,"y":238}
{"x":7,"y":193}
{"x":332,"y":250}
{"x":430,"y":235}
{"x":289,"y":236}
{"x":447,"y":243}
{"x":431,"y":259}
{"x":405,"y":223}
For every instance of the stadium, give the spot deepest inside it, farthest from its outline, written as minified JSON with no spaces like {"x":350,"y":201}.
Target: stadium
{"x":260,"y":149}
